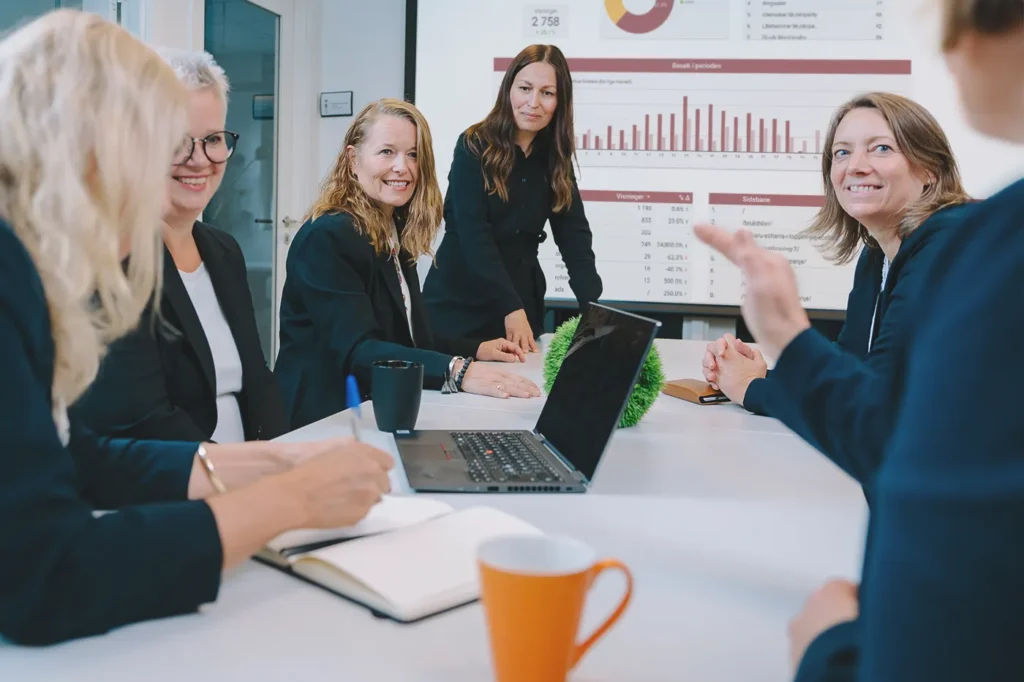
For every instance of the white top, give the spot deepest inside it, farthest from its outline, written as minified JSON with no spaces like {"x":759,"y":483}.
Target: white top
{"x":874,"y":317}
{"x":227,"y":365}
{"x":393,"y":243}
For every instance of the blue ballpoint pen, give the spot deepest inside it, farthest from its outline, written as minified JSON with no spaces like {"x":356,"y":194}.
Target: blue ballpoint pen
{"x":353,"y":401}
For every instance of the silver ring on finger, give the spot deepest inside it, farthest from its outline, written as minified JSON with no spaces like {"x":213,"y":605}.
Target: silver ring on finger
{"x":499,"y":387}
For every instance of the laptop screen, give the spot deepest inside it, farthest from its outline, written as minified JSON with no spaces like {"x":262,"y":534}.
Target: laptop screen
{"x":593,"y":384}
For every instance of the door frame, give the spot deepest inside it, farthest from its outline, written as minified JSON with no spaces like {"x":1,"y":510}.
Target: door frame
{"x":181,"y":24}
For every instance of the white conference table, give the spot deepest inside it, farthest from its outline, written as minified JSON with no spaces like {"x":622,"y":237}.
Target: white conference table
{"x":726,"y":519}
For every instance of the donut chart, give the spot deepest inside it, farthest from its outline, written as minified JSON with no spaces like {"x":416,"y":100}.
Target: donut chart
{"x":638,"y":23}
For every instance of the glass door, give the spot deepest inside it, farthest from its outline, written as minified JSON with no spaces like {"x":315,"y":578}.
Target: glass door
{"x":243,"y":37}
{"x":14,"y":13}
{"x":253,"y":40}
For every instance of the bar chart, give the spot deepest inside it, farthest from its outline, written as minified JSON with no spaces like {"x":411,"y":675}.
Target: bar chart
{"x":726,"y":114}
{"x":709,"y":129}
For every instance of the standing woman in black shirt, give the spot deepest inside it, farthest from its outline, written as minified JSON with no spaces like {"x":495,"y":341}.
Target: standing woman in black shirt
{"x":511,"y":173}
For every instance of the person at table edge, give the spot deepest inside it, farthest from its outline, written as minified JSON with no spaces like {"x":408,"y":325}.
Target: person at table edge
{"x":892,"y":189}
{"x":198,"y":373}
{"x":510,"y":174}
{"x":71,"y":212}
{"x":941,"y":589}
{"x":351,"y":295}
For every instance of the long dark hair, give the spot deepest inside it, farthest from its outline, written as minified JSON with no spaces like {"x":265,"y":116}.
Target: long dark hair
{"x":494,"y":138}
{"x":921,"y":140}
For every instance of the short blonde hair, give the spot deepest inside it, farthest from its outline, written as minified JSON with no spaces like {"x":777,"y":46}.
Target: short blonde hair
{"x":983,"y":16}
{"x":197,"y":69}
{"x":922,"y":141}
{"x":89,"y":120}
{"x":342,"y":193}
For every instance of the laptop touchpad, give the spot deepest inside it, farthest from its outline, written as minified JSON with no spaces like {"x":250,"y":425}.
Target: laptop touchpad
{"x":429,"y":453}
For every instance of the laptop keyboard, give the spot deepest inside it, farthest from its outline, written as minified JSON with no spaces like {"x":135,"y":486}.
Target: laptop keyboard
{"x":503,"y":456}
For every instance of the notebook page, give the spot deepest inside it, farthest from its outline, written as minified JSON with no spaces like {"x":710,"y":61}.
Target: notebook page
{"x":389,"y":514}
{"x":415,"y":565}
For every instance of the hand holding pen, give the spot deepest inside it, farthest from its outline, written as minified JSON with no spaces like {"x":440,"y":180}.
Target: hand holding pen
{"x":354,"y":402}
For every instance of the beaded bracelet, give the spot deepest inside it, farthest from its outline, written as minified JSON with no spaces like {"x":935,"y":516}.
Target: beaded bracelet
{"x":462,"y":374}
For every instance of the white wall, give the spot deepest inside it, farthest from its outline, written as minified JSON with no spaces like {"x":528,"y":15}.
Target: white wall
{"x":172,"y":23}
{"x":362,"y":47}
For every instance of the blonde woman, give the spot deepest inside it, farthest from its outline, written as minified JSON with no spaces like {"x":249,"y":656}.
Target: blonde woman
{"x":89,"y":122}
{"x":351,"y":294}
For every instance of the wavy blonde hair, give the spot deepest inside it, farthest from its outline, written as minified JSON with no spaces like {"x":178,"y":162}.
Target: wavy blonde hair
{"x":88,"y":125}
{"x":419,"y":220}
{"x":922,"y":141}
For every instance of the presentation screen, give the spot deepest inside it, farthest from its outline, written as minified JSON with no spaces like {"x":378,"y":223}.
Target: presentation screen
{"x":695,"y":110}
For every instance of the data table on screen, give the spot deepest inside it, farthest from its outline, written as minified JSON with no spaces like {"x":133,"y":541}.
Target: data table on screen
{"x":814,"y":20}
{"x":778,"y":224}
{"x":642,"y":242}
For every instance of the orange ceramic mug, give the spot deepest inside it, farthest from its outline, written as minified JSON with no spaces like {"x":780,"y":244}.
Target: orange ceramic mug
{"x":533,"y":589}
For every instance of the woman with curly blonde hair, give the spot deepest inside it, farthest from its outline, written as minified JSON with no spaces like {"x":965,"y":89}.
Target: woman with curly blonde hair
{"x":351,"y":294}
{"x":89,"y":122}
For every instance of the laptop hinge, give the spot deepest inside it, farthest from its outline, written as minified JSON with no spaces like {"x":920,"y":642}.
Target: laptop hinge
{"x":559,"y":456}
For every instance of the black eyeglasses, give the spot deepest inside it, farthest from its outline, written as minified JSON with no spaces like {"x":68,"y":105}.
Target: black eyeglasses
{"x":218,"y":147}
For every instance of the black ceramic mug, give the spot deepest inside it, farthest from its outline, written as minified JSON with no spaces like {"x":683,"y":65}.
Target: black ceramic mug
{"x":396,"y":387}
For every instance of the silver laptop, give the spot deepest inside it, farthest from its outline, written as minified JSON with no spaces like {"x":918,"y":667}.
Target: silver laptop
{"x":579,"y":417}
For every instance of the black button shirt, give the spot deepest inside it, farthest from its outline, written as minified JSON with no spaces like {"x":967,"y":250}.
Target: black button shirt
{"x":487,"y":263}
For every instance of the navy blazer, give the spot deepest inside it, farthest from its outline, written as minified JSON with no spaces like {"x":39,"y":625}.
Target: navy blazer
{"x":159,"y":381}
{"x":65,"y":572}
{"x":942,"y":591}
{"x":342,"y":310}
{"x":853,"y":336}
{"x":841,"y":402}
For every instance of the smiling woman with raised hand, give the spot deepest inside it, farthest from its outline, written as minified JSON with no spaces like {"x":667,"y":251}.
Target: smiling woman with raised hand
{"x":892,"y":192}
{"x":198,"y":371}
{"x":511,"y":174}
{"x":351,"y":295}
{"x":942,"y":589}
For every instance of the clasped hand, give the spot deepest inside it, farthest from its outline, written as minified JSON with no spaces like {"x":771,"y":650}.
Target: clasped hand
{"x":730,"y":365}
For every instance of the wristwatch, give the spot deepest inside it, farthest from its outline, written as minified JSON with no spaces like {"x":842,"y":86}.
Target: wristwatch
{"x":449,"y":377}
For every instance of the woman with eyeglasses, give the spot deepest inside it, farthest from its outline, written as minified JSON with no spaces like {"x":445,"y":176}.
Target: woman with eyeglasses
{"x":195,"y":370}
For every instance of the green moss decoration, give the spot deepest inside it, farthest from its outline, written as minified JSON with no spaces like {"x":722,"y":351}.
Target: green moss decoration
{"x":647,"y":387}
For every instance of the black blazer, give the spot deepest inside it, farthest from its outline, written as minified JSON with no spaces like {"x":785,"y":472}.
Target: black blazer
{"x":341,"y":311}
{"x":941,"y":594}
{"x":67,"y":573}
{"x":487,"y":264}
{"x":159,"y":382}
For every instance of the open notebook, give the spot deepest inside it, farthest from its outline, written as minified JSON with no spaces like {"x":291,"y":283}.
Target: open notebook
{"x":410,"y":558}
